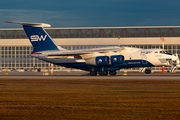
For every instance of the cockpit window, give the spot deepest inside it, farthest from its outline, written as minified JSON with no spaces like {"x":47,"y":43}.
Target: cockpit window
{"x":165,"y":52}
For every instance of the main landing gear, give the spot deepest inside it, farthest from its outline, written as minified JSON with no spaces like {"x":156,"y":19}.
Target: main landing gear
{"x":103,"y":73}
{"x":112,"y":73}
{"x":93,"y":73}
{"x":147,"y":71}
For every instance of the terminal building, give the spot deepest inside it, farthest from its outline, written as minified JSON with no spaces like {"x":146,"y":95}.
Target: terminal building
{"x":15,"y":48}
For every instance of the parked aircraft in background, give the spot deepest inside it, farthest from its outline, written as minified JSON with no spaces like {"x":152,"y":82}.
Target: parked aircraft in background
{"x":102,"y":61}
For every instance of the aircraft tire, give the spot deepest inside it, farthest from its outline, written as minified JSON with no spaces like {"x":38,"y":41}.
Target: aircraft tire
{"x":112,"y":73}
{"x":148,"y":71}
{"x":103,"y":73}
{"x":93,"y":73}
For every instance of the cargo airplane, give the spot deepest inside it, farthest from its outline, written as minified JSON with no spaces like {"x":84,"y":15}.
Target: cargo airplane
{"x":102,"y":61}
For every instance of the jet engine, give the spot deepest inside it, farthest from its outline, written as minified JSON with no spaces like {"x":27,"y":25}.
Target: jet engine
{"x":103,"y":59}
{"x":114,"y":58}
{"x":97,"y":61}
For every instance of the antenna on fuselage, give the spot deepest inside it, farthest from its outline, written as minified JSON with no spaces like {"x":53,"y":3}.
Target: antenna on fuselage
{"x":162,"y":39}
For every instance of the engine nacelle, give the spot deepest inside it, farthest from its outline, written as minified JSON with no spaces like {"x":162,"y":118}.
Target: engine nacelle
{"x":98,"y":61}
{"x":116,"y":59}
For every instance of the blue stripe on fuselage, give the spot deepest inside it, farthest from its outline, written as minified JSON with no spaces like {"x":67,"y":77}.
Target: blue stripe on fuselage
{"x":137,"y":63}
{"x":128,"y":64}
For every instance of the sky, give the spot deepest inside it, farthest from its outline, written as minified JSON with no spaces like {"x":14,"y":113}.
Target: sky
{"x":90,"y":13}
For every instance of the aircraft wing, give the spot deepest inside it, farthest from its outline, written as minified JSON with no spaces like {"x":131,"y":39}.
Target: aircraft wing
{"x":92,"y":56}
{"x":85,"y":51}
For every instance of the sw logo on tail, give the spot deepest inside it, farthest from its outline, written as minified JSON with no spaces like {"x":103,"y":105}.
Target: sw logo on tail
{"x":38,"y":38}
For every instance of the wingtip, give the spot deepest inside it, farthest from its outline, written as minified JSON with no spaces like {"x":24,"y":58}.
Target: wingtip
{"x":8,"y":22}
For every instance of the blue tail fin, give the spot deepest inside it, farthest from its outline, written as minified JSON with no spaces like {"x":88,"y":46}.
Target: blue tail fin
{"x":39,"y":39}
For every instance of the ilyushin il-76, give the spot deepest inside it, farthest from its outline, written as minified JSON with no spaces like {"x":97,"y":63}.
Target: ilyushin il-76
{"x":98,"y":61}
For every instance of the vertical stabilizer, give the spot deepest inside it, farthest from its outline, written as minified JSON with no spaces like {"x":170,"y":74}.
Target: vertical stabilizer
{"x":39,"y":38}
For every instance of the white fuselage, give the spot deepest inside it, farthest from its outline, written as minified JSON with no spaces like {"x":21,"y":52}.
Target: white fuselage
{"x":134,"y":57}
{"x":154,"y":56}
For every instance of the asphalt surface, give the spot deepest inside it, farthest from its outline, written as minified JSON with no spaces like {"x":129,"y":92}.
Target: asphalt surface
{"x":85,"y":75}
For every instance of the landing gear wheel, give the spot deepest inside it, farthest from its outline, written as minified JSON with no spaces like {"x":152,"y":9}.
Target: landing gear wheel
{"x":103,"y":73}
{"x":112,"y":73}
{"x":93,"y":73}
{"x":148,"y":71}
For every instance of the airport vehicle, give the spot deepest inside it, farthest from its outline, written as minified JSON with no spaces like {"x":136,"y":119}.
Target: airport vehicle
{"x":102,"y":61}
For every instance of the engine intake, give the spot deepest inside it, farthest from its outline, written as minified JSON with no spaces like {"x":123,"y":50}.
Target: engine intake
{"x":116,"y":59}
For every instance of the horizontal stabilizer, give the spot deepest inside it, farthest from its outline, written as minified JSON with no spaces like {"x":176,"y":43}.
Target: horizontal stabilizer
{"x":30,"y":24}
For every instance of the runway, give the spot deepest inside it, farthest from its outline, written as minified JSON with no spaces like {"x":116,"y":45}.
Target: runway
{"x":95,"y":77}
{"x":76,"y":95}
{"x":85,"y":75}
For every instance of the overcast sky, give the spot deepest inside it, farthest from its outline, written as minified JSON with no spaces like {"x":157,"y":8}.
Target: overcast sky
{"x":86,"y":13}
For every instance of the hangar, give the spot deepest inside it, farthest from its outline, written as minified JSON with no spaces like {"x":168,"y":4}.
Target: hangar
{"x":15,"y":48}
